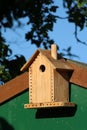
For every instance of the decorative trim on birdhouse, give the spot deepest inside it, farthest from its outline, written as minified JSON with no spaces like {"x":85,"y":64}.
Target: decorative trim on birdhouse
{"x":52,"y":104}
{"x":52,"y":86}
{"x":30,"y":83}
{"x":48,"y":80}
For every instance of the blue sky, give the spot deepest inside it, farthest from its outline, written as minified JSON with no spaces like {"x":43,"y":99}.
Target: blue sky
{"x":63,"y":34}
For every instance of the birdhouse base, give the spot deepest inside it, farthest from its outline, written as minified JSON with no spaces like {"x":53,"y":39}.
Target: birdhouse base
{"x":52,"y":104}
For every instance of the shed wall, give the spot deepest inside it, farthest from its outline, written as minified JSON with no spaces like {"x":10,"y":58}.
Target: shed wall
{"x":13,"y":116}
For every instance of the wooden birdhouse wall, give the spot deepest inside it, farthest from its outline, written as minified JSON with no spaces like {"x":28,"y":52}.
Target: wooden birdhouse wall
{"x":61,"y":88}
{"x":40,"y":80}
{"x":46,"y":84}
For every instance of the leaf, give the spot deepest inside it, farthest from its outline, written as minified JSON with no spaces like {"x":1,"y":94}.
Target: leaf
{"x":81,"y":3}
{"x":53,"y":8}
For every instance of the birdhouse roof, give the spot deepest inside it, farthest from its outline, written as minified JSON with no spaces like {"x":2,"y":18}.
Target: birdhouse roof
{"x":61,"y":63}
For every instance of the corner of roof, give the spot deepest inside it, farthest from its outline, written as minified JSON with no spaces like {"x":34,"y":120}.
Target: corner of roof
{"x":29,"y":62}
{"x":77,"y":63}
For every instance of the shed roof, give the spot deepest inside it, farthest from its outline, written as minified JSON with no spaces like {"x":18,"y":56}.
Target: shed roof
{"x":14,"y":87}
{"x":79,"y":75}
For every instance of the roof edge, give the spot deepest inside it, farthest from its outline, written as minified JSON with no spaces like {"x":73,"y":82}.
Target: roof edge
{"x":29,"y":62}
{"x":14,"y":87}
{"x":32,"y":58}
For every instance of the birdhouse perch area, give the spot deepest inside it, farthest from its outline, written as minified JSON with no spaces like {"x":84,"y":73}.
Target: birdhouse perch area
{"x":48,"y":80}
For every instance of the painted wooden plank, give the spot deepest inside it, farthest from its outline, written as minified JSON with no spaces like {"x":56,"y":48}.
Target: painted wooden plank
{"x":14,"y":87}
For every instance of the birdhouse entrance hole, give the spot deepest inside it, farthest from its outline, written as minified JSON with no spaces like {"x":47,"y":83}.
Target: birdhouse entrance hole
{"x":42,"y":68}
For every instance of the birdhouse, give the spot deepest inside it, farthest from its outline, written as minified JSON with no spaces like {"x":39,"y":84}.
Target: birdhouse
{"x":48,"y":79}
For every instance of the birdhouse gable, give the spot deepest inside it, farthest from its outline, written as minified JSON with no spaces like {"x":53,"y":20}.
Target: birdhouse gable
{"x":34,"y":56}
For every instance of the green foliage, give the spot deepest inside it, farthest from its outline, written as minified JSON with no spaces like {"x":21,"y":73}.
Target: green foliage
{"x":9,"y":68}
{"x":77,"y":14}
{"x":81,"y":3}
{"x":40,"y":15}
{"x":75,"y":11}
